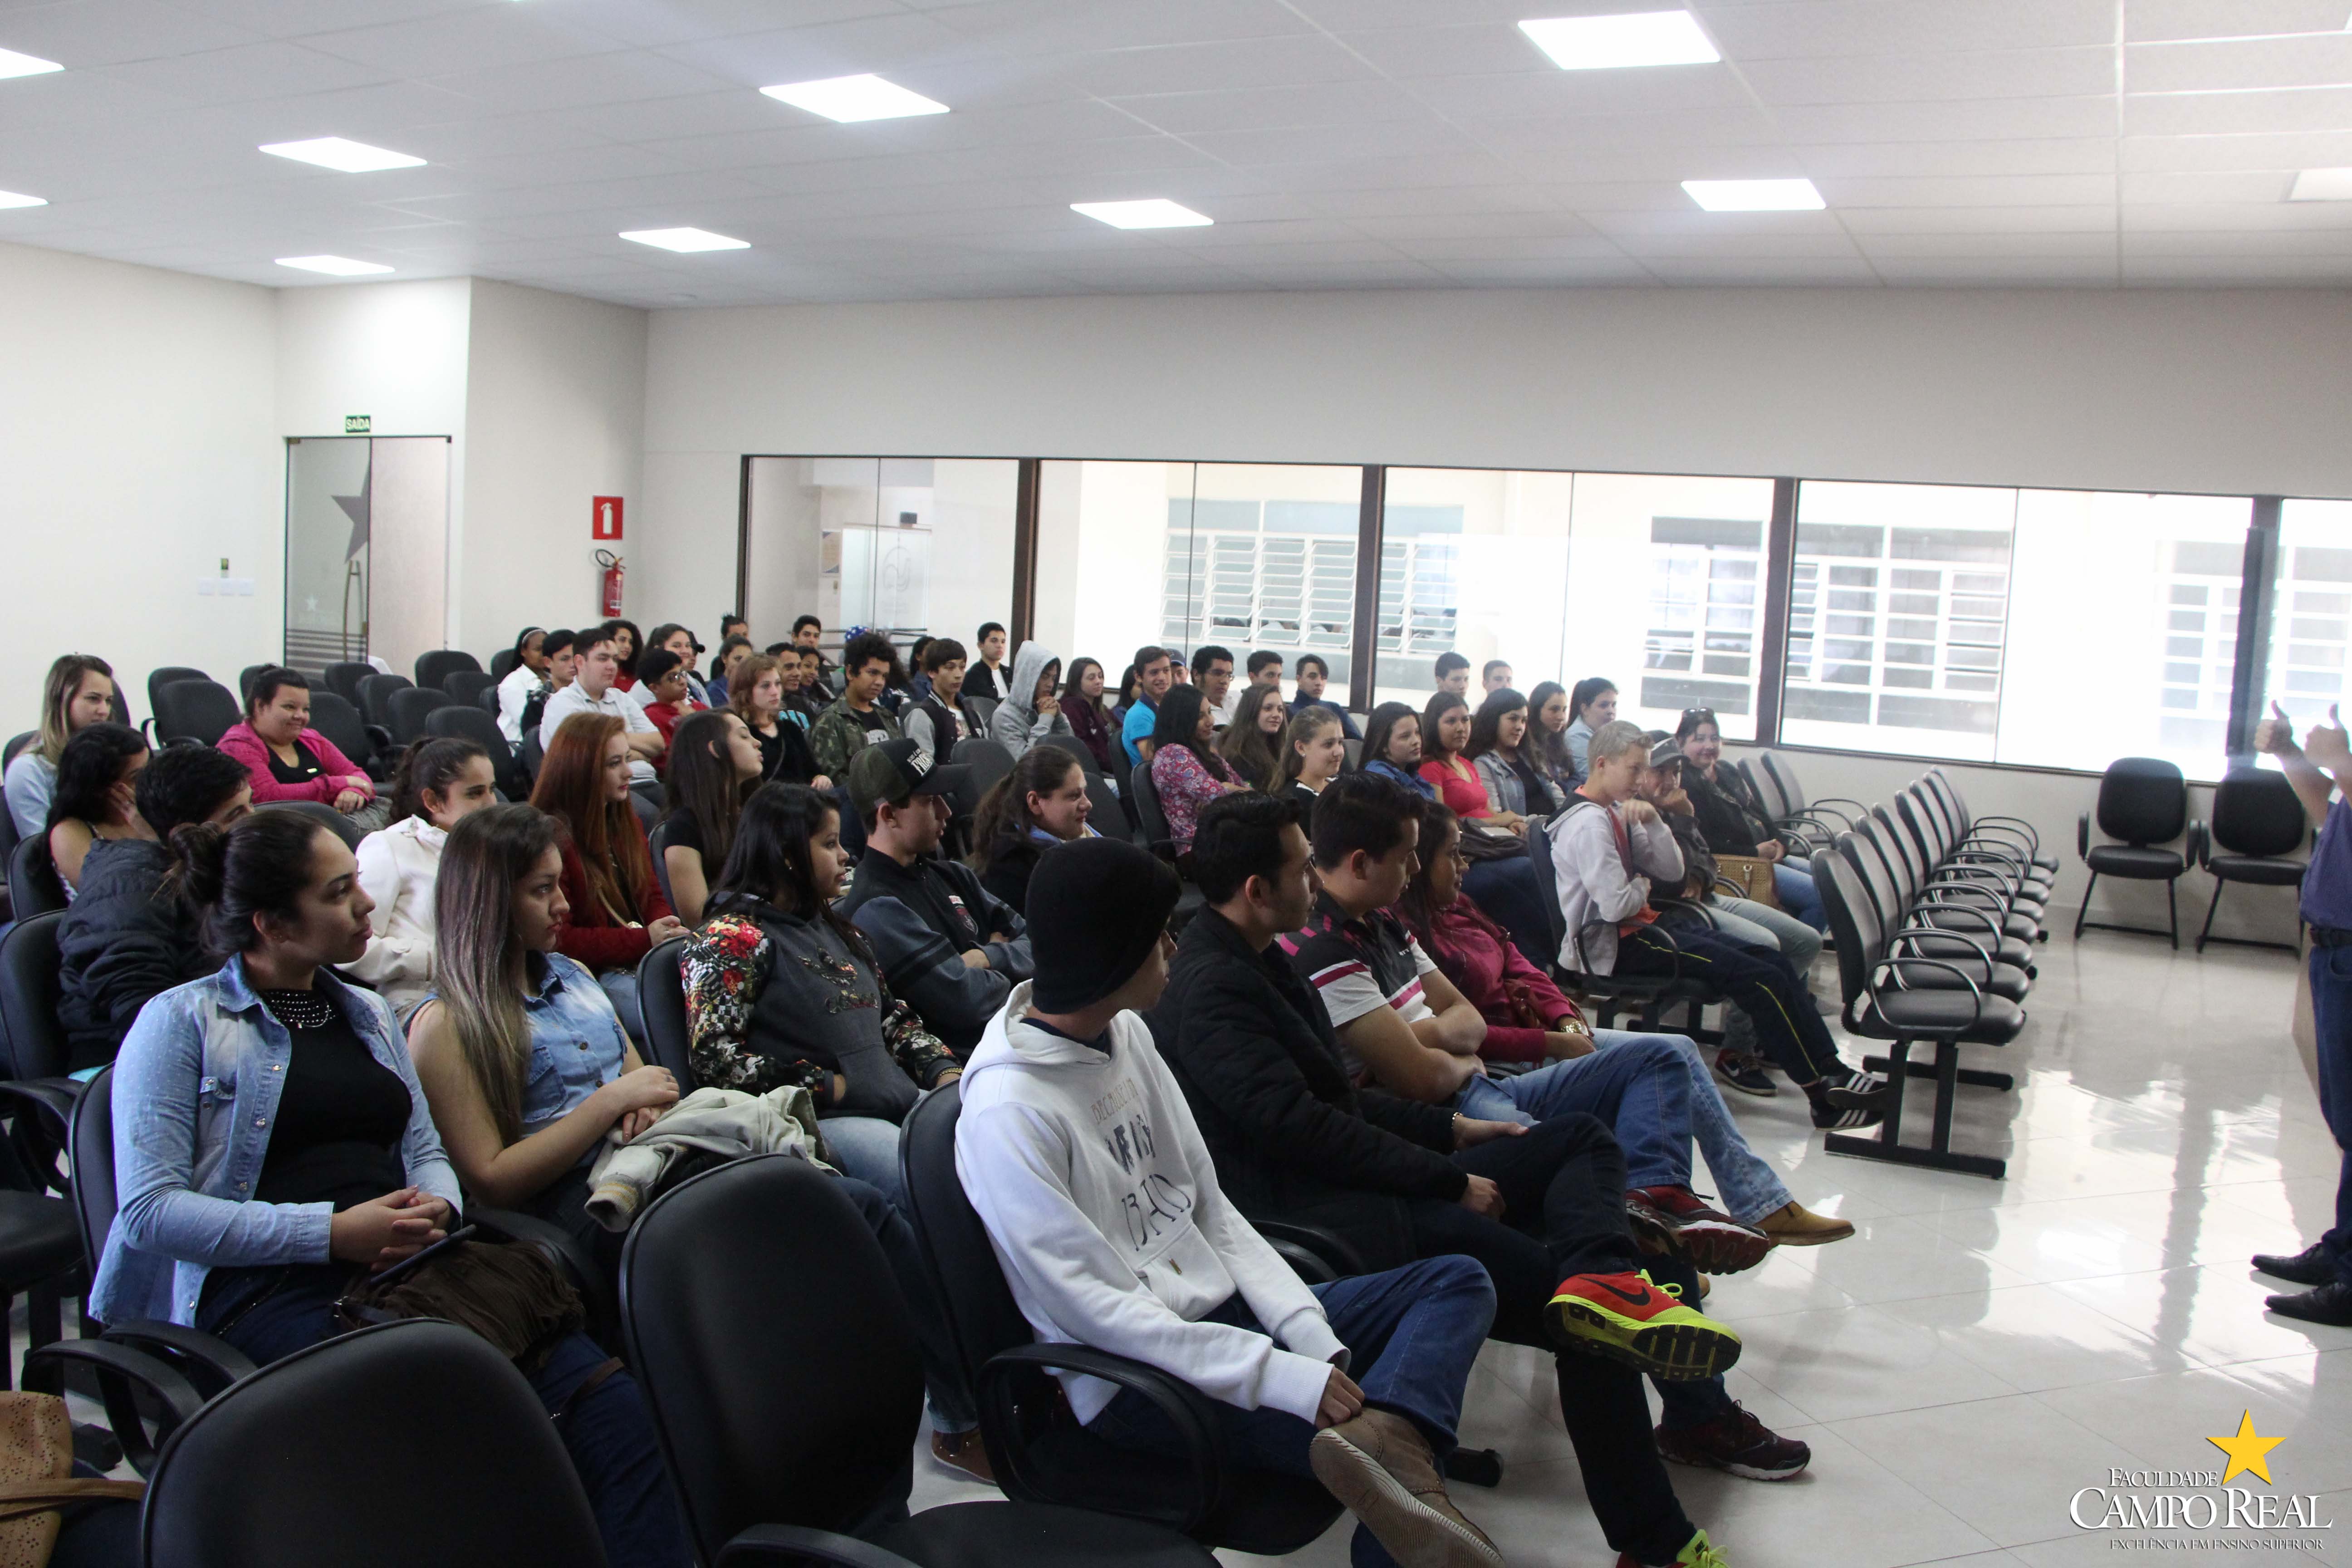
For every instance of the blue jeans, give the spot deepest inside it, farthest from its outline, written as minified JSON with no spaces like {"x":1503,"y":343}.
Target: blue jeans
{"x":1793,"y":884}
{"x":1746,"y":920}
{"x":2331,"y":1017}
{"x":1639,"y":1090}
{"x":865,"y":1147}
{"x":1411,"y":1334}
{"x":1750,"y":1187}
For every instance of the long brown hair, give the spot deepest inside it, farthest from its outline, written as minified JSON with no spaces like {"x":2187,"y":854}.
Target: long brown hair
{"x":1433,"y":749}
{"x":746,"y":676}
{"x":611,"y":841}
{"x":1004,"y":811}
{"x":702,"y":784}
{"x":65,"y":679}
{"x":478,"y":967}
{"x":1244,"y":744}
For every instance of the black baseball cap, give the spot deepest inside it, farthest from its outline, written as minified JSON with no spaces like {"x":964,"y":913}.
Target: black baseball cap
{"x":894,"y":771}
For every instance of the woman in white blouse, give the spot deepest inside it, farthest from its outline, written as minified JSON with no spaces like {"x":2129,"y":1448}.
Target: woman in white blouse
{"x":438,"y":782}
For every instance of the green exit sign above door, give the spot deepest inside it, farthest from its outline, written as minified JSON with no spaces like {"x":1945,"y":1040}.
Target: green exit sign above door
{"x":355,"y":423}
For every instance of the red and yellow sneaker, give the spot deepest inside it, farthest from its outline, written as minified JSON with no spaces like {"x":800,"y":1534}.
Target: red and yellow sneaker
{"x":1696,"y":1552}
{"x":1631,"y":1319}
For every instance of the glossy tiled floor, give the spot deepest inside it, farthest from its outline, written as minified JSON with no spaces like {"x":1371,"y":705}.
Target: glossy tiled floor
{"x":1981,"y":1351}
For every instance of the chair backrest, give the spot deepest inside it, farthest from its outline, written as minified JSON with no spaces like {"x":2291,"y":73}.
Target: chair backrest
{"x":1900,"y":849}
{"x":263,"y":1475}
{"x":375,"y":697}
{"x":532,"y":754}
{"x":340,"y":723}
{"x":2143,"y":801}
{"x":982,"y":1317}
{"x":200,"y":709}
{"x":661,"y":994}
{"x":163,"y":676}
{"x":2257,"y":812}
{"x":433,"y":668}
{"x":91,"y":1136}
{"x":984,"y":706}
{"x":1157,"y":836}
{"x":325,"y":816}
{"x":18,"y":742}
{"x":460,"y":723}
{"x":343,"y":679}
{"x":1784,"y":780}
{"x":471,"y":687}
{"x":1925,"y":831}
{"x":1547,"y":880}
{"x":1077,"y":748}
{"x":34,"y":886}
{"x":1355,"y":750}
{"x":1878,"y":878}
{"x":29,"y":990}
{"x":1837,"y":877}
{"x":245,"y":679}
{"x":727,"y":1282}
{"x":411,"y":705}
{"x":657,"y":842}
{"x":987,"y":759}
{"x":502,"y":663}
{"x":1765,"y":787}
{"x":1105,"y":813}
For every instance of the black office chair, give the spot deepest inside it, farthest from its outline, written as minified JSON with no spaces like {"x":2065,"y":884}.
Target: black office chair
{"x":436,"y":667}
{"x":261,"y":1477}
{"x":661,"y":994}
{"x":1157,"y":836}
{"x":1106,"y":813}
{"x":1077,"y":748}
{"x":726,"y":1278}
{"x":40,"y":1244}
{"x":502,"y":663}
{"x":325,"y":816}
{"x":1039,"y":1452}
{"x":368,"y":746}
{"x":165,"y":675}
{"x":461,"y":722}
{"x":245,"y":679}
{"x":658,"y":840}
{"x":532,"y":755}
{"x":1649,"y":997}
{"x":2143,"y":801}
{"x":200,"y":710}
{"x":34,"y":886}
{"x":375,"y":697}
{"x":343,"y":679}
{"x":2258,"y":820}
{"x":988,"y":760}
{"x":470,"y":687}
{"x":410,"y":707}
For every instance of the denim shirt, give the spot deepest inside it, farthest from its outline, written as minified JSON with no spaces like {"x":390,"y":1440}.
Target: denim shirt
{"x":576,"y":1044}
{"x":195,"y":1092}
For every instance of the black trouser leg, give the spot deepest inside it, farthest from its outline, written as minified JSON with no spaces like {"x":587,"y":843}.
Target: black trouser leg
{"x":1760,"y":984}
{"x":1563,"y":1183}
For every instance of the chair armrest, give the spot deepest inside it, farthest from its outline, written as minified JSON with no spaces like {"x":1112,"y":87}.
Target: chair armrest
{"x":209,"y":1364}
{"x":564,"y":1250}
{"x":54,"y":1098}
{"x":1188,"y":1411}
{"x":2200,"y":842}
{"x":1954,"y":968}
{"x":2083,"y":836}
{"x":1327,"y":1245}
{"x":1913,"y":934}
{"x":796,"y":1545}
{"x":1311,"y":1267}
{"x":123,"y":1374}
{"x":1961,"y":895}
{"x":2019,"y":824}
{"x":1971,"y":910}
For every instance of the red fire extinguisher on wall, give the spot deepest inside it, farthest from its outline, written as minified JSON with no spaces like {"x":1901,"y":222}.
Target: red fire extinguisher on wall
{"x":613,"y":571}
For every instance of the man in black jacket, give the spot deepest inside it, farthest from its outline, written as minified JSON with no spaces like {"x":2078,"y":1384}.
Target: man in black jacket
{"x":124,"y":939}
{"x":1293,"y":1138}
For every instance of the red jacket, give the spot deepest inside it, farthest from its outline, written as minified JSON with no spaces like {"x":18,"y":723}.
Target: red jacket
{"x":1487,"y":968}
{"x":340,"y":772}
{"x":590,"y":935}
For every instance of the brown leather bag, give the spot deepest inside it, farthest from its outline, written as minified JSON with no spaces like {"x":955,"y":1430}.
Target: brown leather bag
{"x":36,"y":1478}
{"x":1754,"y":876}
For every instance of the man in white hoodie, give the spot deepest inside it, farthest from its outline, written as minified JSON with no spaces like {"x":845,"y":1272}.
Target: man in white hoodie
{"x":1078,"y":1149}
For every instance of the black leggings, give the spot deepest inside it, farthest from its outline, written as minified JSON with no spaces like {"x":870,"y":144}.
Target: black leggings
{"x":1760,"y":984}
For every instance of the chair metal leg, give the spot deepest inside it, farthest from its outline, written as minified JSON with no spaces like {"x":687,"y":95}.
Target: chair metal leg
{"x":2172,"y":909}
{"x":1974,"y":1077}
{"x":1938,"y":1154}
{"x":2210,"y":908}
{"x":2085,"y":913}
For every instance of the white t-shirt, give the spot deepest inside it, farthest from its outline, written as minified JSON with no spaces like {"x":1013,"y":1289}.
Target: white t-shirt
{"x":514,"y":695}
{"x":574,"y":698}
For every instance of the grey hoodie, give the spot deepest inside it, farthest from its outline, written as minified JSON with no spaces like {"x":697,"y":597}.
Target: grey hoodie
{"x":1015,"y":723}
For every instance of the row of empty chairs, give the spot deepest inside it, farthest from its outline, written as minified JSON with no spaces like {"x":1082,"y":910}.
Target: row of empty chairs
{"x":2258,"y":822}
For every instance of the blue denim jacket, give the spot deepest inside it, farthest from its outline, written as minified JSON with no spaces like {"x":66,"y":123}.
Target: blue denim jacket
{"x":577,"y":1045}
{"x":196,"y":1090}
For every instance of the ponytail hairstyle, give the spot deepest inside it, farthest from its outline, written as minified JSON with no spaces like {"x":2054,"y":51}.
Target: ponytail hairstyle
{"x":233,"y":875}
{"x":613,"y":854}
{"x":65,"y":679}
{"x":1004,"y":811}
{"x":702,"y":783}
{"x":1308,"y":722}
{"x":88,"y":769}
{"x":478,"y":966}
{"x":770,"y":863}
{"x":435,"y":763}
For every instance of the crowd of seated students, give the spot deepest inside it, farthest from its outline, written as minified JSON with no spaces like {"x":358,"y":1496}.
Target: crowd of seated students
{"x":1364,"y":1028}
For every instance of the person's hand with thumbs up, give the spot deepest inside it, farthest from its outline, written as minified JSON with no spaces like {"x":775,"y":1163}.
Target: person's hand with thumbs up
{"x":2274,"y":736}
{"x":2327,"y":745}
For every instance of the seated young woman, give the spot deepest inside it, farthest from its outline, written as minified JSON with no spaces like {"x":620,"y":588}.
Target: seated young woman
{"x":524,"y":1060}
{"x":733,"y":649}
{"x":1546,"y":744}
{"x":1594,"y":703}
{"x":779,"y":990}
{"x":755,"y":694}
{"x":1529,"y":1021}
{"x":1445,"y":764}
{"x":1314,"y":750}
{"x":617,"y":911}
{"x":1186,"y":769}
{"x":1090,"y":721}
{"x":288,"y":760}
{"x":1733,"y":819}
{"x":1505,"y":761}
{"x":438,"y":783}
{"x":77,"y":692}
{"x":714,"y":763}
{"x":1249,"y":741}
{"x":273,"y":1148}
{"x":1505,"y":885}
{"x":1392,"y":747}
{"x":94,"y":797}
{"x":1041,"y":803}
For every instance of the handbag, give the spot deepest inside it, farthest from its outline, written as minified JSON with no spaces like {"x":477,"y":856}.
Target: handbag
{"x":510,"y":1295}
{"x":1754,"y":876}
{"x":37,"y":1478}
{"x":1480,"y":842}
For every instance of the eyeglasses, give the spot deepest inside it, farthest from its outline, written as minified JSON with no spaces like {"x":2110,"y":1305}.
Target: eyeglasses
{"x":1705,"y":713}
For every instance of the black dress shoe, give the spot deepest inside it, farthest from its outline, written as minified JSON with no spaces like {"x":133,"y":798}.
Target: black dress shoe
{"x":2330,"y":1304}
{"x":2312,"y":1266}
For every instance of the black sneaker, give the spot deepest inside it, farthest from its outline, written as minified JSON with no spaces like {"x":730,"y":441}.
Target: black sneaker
{"x":1861,"y":1091}
{"x":2312,"y":1266}
{"x":1738,"y":1443}
{"x":1737,"y":1069}
{"x":2330,"y":1304}
{"x":1847,"y":1118}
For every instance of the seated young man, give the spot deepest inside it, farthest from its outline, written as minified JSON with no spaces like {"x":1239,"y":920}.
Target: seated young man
{"x":123,"y":939}
{"x":859,"y":720}
{"x":950,"y":949}
{"x":1314,"y":676}
{"x":1101,"y":1204}
{"x":593,"y":692}
{"x":1294,"y":1138}
{"x":1453,"y":673}
{"x":1155,"y":671}
{"x":937,"y":716}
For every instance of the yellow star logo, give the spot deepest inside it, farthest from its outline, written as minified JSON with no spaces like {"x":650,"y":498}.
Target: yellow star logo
{"x":2248,"y":1450}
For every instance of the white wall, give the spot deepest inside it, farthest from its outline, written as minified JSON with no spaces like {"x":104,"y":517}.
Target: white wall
{"x":136,"y":449}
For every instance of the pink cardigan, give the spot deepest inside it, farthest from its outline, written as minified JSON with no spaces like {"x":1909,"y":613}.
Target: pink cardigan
{"x":341,"y":772}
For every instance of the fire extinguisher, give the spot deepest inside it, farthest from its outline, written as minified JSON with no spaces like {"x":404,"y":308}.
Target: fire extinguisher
{"x":612,"y":565}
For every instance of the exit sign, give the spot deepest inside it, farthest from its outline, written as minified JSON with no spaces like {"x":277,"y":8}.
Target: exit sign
{"x":355,"y":423}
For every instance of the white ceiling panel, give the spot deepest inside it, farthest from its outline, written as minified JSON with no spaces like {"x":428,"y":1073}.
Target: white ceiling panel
{"x":1336,"y":144}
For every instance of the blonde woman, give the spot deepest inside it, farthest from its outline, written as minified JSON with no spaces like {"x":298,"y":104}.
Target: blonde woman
{"x":79,"y":692}
{"x":1314,"y":750}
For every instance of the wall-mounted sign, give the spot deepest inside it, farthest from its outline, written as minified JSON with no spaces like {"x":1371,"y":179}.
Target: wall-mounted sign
{"x":357,"y":424}
{"x":605,"y":517}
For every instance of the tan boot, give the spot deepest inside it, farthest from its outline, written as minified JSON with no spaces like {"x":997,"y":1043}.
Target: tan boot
{"x":1379,"y":1466}
{"x":1794,"y":1225}
{"x":963,"y":1451}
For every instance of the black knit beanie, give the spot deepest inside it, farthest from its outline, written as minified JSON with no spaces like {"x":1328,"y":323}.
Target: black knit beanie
{"x":1096,"y":907}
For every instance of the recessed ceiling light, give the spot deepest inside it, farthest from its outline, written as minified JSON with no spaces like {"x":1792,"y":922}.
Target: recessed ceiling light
{"x":1756,"y":195}
{"x":334,"y":265}
{"x":850,"y":98}
{"x":12,"y":199}
{"x":2322,"y":186}
{"x":685,"y":240}
{"x":1156,"y":213}
{"x":346,"y":157}
{"x":14,"y":64}
{"x":1607,"y":43}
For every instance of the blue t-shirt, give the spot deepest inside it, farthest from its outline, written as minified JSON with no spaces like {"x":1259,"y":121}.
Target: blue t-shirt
{"x":2327,"y":885}
{"x":1140,"y":721}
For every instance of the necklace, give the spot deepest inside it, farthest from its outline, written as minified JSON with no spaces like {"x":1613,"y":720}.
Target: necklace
{"x":300,"y":1009}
